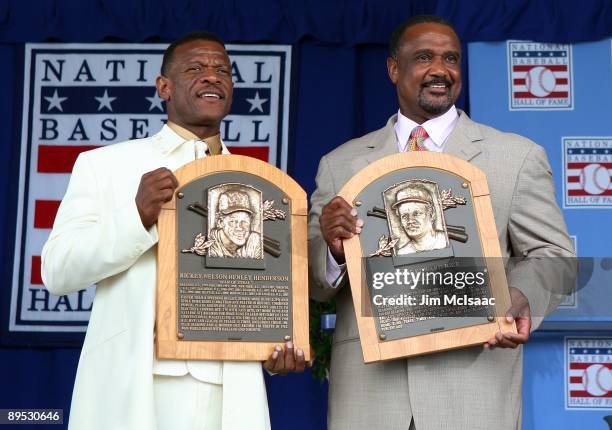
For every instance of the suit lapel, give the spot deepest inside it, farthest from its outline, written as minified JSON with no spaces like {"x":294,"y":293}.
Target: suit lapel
{"x":382,"y":143}
{"x":172,"y":150}
{"x":464,"y":140}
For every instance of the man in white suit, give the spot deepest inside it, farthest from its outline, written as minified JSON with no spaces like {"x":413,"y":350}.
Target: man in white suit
{"x":472,"y":388}
{"x":105,"y":234}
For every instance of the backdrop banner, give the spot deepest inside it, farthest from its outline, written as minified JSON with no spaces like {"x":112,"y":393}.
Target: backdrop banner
{"x":558,"y":95}
{"x":78,"y":97}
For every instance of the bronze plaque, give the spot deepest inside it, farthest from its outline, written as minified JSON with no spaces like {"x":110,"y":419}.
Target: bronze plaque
{"x":233,"y":278}
{"x":239,"y":282}
{"x":422,"y":268}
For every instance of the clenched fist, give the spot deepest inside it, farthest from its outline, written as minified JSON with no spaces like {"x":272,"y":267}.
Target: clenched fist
{"x":155,"y":189}
{"x":338,"y":221}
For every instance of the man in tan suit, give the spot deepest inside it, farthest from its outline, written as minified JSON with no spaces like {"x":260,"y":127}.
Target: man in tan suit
{"x":105,"y":233}
{"x":472,"y":388}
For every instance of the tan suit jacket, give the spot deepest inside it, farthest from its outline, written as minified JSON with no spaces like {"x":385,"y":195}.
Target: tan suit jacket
{"x":463,"y":389}
{"x":98,"y":238}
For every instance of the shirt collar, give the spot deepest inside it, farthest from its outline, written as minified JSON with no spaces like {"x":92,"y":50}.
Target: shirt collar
{"x":172,"y":135}
{"x":438,"y":128}
{"x":182,"y":131}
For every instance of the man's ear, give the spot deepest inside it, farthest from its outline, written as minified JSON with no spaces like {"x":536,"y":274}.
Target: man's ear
{"x":163,"y":87}
{"x":392,"y":69}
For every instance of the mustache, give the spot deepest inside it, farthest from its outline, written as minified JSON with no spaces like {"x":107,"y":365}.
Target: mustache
{"x":437,"y":81}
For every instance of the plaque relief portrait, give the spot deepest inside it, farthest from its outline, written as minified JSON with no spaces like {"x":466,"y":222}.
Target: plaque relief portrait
{"x":235,"y":221}
{"x":415,"y":216}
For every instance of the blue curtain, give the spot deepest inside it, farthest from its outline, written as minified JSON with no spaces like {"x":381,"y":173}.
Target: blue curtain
{"x":348,"y":23}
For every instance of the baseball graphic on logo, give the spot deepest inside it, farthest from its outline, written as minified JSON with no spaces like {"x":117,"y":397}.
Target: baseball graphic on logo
{"x":540,"y":81}
{"x":597,"y":380}
{"x":594,"y":179}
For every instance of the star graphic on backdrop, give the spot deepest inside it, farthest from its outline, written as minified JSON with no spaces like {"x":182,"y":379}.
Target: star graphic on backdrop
{"x":55,"y":101}
{"x":256,"y":103}
{"x":156,"y":102}
{"x":105,"y":101}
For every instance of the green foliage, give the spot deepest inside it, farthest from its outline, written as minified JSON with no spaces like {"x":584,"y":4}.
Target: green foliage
{"x":320,"y":341}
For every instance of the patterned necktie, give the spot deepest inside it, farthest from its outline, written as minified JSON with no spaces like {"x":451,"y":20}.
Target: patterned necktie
{"x":418,"y":135}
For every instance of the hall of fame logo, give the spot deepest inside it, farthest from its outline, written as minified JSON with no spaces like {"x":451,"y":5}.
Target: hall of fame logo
{"x":587,"y":165}
{"x":78,"y":97}
{"x":540,"y":76}
{"x":588,"y":373}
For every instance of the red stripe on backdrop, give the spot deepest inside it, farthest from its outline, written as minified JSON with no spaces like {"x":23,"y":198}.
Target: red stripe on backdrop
{"x":44,"y":213}
{"x":586,"y":394}
{"x":259,"y":152}
{"x":35,"y":278}
{"x":573,"y":179}
{"x":585,"y":365}
{"x":554,"y":68}
{"x":558,"y":81}
{"x":575,"y":379}
{"x":553,"y":95}
{"x":584,"y":193}
{"x":59,"y":158}
{"x":583,"y":165}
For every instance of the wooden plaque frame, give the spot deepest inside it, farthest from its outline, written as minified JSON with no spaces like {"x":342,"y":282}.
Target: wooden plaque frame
{"x":167,"y":343}
{"x":375,"y":349}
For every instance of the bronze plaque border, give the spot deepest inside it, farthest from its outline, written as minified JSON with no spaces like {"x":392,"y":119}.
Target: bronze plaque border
{"x":375,"y":349}
{"x":167,"y":343}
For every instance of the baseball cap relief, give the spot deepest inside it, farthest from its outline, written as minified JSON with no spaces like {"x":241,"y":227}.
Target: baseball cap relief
{"x":413,"y":194}
{"x":234,"y":201}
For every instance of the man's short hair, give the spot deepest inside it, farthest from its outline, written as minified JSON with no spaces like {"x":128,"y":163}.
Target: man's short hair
{"x":189,"y":37}
{"x":396,"y":37}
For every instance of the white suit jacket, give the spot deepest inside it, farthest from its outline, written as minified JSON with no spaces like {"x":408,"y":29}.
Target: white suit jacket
{"x":98,"y":238}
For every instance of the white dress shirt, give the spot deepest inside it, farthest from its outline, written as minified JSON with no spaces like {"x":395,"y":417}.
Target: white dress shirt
{"x":438,"y":129}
